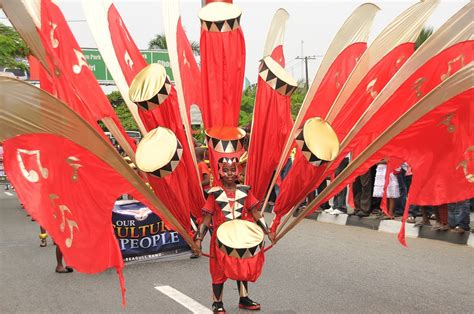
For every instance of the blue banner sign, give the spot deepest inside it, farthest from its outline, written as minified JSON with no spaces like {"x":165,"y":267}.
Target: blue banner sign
{"x":141,"y":234}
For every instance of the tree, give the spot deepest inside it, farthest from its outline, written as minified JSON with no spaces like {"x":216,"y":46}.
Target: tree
{"x":248,"y":101}
{"x":12,"y":49}
{"x":159,"y":42}
{"x":122,"y":112}
{"x":424,"y":34}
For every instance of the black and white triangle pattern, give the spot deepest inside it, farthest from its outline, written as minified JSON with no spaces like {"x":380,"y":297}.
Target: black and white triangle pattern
{"x":224,"y":146}
{"x":222,"y":201}
{"x":221,"y":26}
{"x":310,"y":157}
{"x":240,"y":253}
{"x":274,"y":82}
{"x":172,"y":165}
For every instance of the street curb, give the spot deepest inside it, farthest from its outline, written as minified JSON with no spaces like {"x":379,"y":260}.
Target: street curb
{"x":393,"y":226}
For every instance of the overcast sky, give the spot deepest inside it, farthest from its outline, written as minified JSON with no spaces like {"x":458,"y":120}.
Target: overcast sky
{"x":312,"y":22}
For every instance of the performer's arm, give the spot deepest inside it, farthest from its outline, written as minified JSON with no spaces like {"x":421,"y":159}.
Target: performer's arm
{"x":260,"y":220}
{"x":202,"y":230}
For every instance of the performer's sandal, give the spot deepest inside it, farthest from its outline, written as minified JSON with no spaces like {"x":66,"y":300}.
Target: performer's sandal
{"x":218,"y":307}
{"x":247,"y":304}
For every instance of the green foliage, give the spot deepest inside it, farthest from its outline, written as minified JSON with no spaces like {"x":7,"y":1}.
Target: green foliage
{"x":122,"y":112}
{"x":11,"y":48}
{"x":248,"y":101}
{"x":424,"y":34}
{"x":159,"y":42}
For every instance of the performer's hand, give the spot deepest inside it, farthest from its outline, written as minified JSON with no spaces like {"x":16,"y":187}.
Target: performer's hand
{"x":272,"y":237}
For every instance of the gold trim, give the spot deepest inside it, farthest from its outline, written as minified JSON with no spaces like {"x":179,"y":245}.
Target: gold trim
{"x":276,"y":77}
{"x":150,"y":87}
{"x":220,"y":17}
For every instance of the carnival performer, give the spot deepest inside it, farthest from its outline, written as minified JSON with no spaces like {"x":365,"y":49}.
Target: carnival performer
{"x":224,"y":204}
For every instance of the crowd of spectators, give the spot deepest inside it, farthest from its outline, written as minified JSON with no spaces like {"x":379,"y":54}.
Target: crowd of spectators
{"x":369,"y":189}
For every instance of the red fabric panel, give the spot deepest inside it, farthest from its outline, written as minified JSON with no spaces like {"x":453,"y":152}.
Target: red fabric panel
{"x":271,"y":126}
{"x":34,"y":68}
{"x":363,"y":95}
{"x":179,"y":198}
{"x":278,"y":55}
{"x":301,"y":178}
{"x":190,"y":72}
{"x":76,"y":213}
{"x":334,"y":80}
{"x":420,"y":83}
{"x":74,"y":81}
{"x":222,"y":76}
{"x":129,"y":57}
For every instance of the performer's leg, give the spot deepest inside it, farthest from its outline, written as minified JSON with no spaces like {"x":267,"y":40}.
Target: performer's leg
{"x":245,"y":302}
{"x":217,"y":289}
{"x":59,"y":260}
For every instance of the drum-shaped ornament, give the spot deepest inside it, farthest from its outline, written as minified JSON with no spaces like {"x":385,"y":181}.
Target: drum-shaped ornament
{"x":150,"y":87}
{"x":277,"y":77}
{"x":220,"y":17}
{"x":240,"y":249}
{"x":318,"y":141}
{"x":159,"y":152}
{"x":225,"y":139}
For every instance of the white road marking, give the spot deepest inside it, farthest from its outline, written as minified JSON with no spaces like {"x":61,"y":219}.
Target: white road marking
{"x":183,"y":299}
{"x":9,"y":194}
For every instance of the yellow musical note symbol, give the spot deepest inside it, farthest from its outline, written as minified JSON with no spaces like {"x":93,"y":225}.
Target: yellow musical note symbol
{"x":71,"y":160}
{"x":81,"y":61}
{"x":31,"y":175}
{"x":447,"y":121}
{"x":54,"y":41}
{"x":71,"y":224}
{"x":416,"y":86}
{"x":459,"y":58}
{"x":463,"y":164}
{"x":370,"y":88}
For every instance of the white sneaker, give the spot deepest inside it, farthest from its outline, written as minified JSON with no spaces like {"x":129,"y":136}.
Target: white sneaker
{"x":329,"y":210}
{"x":337,"y":212}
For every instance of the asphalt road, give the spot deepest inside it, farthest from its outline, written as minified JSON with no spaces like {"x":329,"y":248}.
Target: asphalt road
{"x":316,"y":268}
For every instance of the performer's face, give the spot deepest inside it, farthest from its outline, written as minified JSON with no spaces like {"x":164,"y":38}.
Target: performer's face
{"x":228,"y":172}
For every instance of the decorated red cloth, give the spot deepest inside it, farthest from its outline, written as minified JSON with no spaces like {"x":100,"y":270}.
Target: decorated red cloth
{"x":190,"y":73}
{"x":300,"y":180}
{"x":222,"y":76}
{"x":129,"y":57}
{"x":271,"y":126}
{"x":181,"y":199}
{"x":72,"y":80}
{"x":71,"y":193}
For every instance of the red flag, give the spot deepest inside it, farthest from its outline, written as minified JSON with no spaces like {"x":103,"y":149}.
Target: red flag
{"x":190,"y":73}
{"x":71,"y":193}
{"x":300,"y":180}
{"x":129,"y":57}
{"x":222,"y":64}
{"x":271,"y":125}
{"x":179,"y":198}
{"x":74,"y":81}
